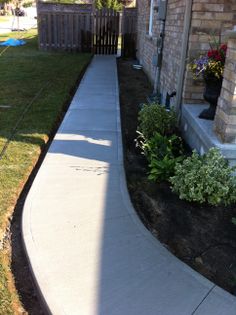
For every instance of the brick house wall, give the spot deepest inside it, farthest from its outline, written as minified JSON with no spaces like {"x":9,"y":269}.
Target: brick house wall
{"x":225,"y":119}
{"x":208,"y":17}
{"x":146,"y":46}
{"x":172,"y":46}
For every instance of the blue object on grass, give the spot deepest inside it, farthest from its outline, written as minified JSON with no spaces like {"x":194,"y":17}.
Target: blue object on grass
{"x":13,"y":42}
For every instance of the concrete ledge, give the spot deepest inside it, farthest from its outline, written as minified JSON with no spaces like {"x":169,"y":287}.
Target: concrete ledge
{"x":199,"y":134}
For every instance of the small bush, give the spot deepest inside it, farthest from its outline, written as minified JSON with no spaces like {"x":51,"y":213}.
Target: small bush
{"x":155,"y":118}
{"x":27,"y":4}
{"x":162,"y":153}
{"x":206,"y":178}
{"x":109,"y":4}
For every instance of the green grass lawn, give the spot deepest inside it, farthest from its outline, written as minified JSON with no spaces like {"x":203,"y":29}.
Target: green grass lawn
{"x":24,"y":72}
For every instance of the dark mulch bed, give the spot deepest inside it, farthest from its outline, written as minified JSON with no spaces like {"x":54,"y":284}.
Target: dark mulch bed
{"x":200,"y":235}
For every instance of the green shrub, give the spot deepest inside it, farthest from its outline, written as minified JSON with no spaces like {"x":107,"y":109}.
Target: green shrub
{"x":109,"y":4}
{"x":206,"y":178}
{"x":162,"y":153}
{"x":27,"y":4}
{"x":155,"y":118}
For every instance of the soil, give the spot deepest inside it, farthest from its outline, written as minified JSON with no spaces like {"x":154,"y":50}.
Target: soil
{"x":202,"y":236}
{"x":19,"y":263}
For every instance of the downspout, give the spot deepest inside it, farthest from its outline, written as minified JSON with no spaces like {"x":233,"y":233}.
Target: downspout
{"x":159,"y":56}
{"x":184,"y":51}
{"x":160,"y":42}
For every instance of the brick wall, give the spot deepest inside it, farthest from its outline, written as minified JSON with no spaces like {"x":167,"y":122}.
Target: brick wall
{"x":147,"y":46}
{"x":213,"y":17}
{"x":225,"y":120}
{"x":172,"y":46}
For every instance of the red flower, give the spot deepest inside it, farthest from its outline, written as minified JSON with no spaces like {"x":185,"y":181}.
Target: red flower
{"x":211,"y":53}
{"x":218,"y":57}
{"x":223,"y":47}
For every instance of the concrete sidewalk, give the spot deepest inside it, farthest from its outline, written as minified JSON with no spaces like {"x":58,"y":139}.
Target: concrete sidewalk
{"x":89,"y":253}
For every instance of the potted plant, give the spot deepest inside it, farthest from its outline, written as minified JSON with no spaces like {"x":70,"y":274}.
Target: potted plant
{"x":211,"y":67}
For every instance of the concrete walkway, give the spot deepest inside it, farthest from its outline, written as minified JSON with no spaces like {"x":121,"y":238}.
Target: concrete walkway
{"x":89,"y":253}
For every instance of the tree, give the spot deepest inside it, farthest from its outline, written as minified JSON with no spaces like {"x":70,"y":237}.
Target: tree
{"x":110,"y":4}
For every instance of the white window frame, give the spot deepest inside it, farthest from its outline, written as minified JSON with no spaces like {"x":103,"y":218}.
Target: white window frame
{"x":151,"y":18}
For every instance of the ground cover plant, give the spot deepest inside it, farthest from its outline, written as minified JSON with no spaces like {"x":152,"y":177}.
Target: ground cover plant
{"x":35,"y":88}
{"x":200,"y":234}
{"x":205,"y":179}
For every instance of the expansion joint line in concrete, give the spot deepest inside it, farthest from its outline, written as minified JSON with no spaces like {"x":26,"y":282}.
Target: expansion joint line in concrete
{"x":205,"y":297}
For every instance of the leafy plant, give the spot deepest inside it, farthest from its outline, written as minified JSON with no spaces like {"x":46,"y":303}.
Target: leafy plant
{"x":162,"y":153}
{"x":206,"y":178}
{"x":161,"y":170}
{"x":154,"y":118}
{"x":159,"y":146}
{"x":27,"y":4}
{"x":110,"y":4}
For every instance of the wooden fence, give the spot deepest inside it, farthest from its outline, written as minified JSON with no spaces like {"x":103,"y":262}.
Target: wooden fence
{"x":129,"y":33}
{"x":65,"y":27}
{"x":77,"y":27}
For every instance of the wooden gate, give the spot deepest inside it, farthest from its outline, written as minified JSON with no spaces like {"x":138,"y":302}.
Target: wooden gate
{"x":106,"y":31}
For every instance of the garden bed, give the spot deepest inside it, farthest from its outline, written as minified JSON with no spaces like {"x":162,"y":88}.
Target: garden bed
{"x":202,"y":236}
